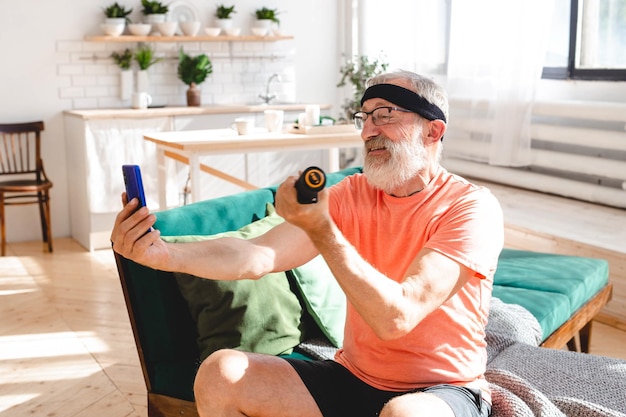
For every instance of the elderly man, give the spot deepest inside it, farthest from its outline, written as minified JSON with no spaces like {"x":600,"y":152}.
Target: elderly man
{"x":413,"y":247}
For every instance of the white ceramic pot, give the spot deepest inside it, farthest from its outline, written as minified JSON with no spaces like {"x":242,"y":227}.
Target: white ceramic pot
{"x":190,"y":28}
{"x":263,"y":23}
{"x":115,"y":29}
{"x":224,"y":23}
{"x":139,"y":29}
{"x":115,"y":21}
{"x":167,"y":28}
{"x":154,"y":18}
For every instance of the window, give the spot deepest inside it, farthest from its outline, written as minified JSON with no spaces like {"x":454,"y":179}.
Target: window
{"x":588,"y":40}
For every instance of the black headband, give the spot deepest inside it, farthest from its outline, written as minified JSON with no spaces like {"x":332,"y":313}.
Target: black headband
{"x":406,"y":99}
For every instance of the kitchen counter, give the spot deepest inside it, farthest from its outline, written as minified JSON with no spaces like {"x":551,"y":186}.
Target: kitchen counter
{"x":128,"y":113}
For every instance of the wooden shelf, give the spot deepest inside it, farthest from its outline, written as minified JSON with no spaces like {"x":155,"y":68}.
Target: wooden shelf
{"x":221,"y":38}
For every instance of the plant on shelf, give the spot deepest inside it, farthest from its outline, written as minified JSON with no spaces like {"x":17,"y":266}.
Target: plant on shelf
{"x":116,"y":11}
{"x":265,"y":13}
{"x":356,"y":72}
{"x":144,"y":56}
{"x":224,"y":12}
{"x":193,"y":71}
{"x":124,"y":59}
{"x":224,"y":16}
{"x":153,"y":7}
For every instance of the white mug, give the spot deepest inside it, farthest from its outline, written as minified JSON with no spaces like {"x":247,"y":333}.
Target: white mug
{"x":274,"y":120}
{"x":141,"y":100}
{"x":312,"y":114}
{"x":243,"y":125}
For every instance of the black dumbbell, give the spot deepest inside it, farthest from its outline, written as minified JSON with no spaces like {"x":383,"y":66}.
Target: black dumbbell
{"x":309,"y":184}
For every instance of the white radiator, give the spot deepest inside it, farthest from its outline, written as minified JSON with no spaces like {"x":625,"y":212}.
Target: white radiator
{"x":578,"y":150}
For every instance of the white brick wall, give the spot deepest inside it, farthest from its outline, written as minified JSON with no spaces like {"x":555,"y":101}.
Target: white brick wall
{"x":89,"y":78}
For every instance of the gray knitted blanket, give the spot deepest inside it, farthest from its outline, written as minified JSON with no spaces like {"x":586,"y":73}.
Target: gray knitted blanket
{"x":529,"y":381}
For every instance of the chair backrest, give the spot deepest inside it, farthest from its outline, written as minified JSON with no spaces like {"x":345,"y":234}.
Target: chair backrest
{"x":20,"y":149}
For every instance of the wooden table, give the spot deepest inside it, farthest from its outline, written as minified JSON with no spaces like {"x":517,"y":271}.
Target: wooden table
{"x":188,"y":146}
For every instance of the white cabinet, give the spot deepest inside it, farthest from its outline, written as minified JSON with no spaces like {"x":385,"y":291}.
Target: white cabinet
{"x":96,"y":150}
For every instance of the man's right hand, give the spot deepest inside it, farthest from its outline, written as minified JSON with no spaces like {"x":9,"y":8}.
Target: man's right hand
{"x":130,"y":239}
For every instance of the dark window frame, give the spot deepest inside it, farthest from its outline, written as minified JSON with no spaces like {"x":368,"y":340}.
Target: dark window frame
{"x":573,"y":73}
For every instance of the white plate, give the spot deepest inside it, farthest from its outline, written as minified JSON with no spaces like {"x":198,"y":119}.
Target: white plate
{"x":183,"y":11}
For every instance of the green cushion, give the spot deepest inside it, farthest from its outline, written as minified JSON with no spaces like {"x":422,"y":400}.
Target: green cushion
{"x":260,"y":316}
{"x":550,"y":309}
{"x":575,"y":277}
{"x":323,"y":298}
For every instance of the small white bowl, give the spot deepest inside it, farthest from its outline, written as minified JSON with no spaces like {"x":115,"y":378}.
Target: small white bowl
{"x":212,"y":31}
{"x":139,"y":29}
{"x":276,"y":31}
{"x":114,"y":29}
{"x":232,"y":31}
{"x":167,"y":28}
{"x":190,"y":28}
{"x":259,"y":31}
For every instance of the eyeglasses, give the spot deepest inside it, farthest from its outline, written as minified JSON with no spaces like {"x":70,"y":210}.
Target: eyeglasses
{"x":380,"y":116}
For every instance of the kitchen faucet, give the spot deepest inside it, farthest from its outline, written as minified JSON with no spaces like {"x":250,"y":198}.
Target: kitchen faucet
{"x":269,"y":97}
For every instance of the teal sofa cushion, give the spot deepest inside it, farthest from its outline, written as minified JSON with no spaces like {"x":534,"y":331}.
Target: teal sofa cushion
{"x":552,"y":287}
{"x":575,"y":277}
{"x":215,"y":216}
{"x":550,"y":309}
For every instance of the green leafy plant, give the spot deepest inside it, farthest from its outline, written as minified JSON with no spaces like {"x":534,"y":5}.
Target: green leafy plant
{"x":267,"y":14}
{"x":356,"y":72}
{"x":145,"y":57}
{"x":124,"y":59}
{"x":224,"y":12}
{"x":117,"y":11}
{"x":154,"y":7}
{"x":193,"y":69}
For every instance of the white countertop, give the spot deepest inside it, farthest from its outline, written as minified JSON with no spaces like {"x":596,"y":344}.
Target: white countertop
{"x":128,"y":113}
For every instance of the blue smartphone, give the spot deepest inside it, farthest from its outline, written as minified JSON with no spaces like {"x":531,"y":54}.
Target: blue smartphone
{"x":134,"y":184}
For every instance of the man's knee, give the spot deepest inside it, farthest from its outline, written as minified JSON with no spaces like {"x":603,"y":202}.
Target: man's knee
{"x":416,"y":405}
{"x":217,"y":376}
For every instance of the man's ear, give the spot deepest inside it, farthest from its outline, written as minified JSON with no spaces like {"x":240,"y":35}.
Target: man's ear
{"x":436,"y":130}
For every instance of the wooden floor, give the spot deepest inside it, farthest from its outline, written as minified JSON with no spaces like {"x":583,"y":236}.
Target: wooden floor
{"x":66,"y":347}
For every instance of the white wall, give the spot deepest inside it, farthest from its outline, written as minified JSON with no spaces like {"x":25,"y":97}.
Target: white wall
{"x":30,"y":82}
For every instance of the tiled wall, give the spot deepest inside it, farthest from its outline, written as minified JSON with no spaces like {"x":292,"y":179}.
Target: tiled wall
{"x":90,"y":79}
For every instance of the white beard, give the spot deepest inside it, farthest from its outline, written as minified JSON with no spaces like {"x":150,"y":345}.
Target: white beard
{"x":406,"y":159}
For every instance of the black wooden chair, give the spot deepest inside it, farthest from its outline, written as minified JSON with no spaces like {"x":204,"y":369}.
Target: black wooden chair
{"x":22,"y":176}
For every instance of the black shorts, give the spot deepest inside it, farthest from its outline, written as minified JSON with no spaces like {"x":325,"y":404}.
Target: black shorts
{"x":338,"y":393}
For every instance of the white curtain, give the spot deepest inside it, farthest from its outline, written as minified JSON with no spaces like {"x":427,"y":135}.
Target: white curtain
{"x":494,"y":63}
{"x":497,"y":50}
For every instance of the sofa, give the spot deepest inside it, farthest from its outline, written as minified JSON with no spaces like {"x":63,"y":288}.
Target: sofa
{"x":559,"y":294}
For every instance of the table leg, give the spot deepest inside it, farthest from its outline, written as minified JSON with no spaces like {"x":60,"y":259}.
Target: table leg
{"x":162,"y":178}
{"x":333,"y":159}
{"x":194,"y":172}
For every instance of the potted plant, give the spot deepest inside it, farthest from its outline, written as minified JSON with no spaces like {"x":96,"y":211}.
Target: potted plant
{"x":223,"y":15}
{"x":356,"y":72}
{"x":124,"y":60}
{"x":154,"y":11}
{"x":116,"y":13}
{"x":144,"y":56}
{"x":193,"y":71}
{"x":265,"y":17}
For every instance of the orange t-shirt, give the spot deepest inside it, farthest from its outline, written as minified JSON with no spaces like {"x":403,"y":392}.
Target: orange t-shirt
{"x":453,"y":217}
